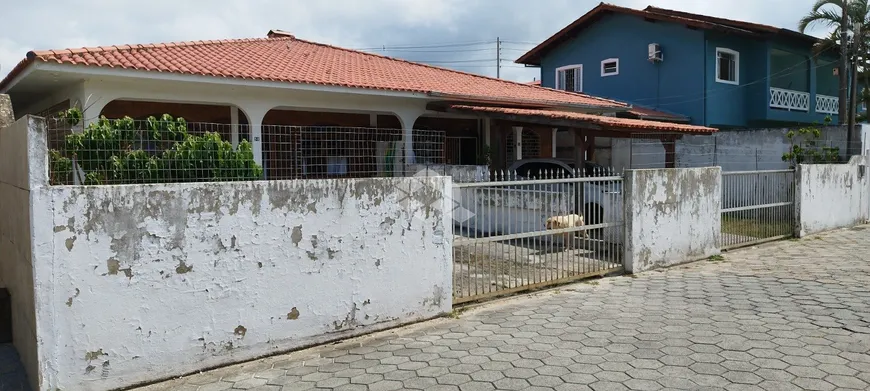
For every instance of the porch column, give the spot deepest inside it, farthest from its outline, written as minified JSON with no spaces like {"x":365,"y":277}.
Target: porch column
{"x":91,"y":110}
{"x":234,"y":126}
{"x":407,"y":118}
{"x":487,"y":125}
{"x":670,"y":152}
{"x":518,"y":142}
{"x":553,"y":142}
{"x":579,"y":151}
{"x":255,"y":114}
{"x":580,"y":171}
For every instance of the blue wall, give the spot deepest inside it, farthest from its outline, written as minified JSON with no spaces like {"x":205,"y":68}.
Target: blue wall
{"x":679,"y":83}
{"x":676,"y":84}
{"x":734,"y":105}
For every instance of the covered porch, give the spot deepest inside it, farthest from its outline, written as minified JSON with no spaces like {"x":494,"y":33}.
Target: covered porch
{"x":297,"y":134}
{"x":514,"y":134}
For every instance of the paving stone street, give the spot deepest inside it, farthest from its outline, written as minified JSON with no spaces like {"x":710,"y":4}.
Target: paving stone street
{"x":792,"y":315}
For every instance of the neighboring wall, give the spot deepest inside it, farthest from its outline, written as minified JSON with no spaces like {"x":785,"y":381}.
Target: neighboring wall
{"x":832,"y":196}
{"x":672,"y":216}
{"x":733,"y":150}
{"x":144,"y":282}
{"x":16,"y":269}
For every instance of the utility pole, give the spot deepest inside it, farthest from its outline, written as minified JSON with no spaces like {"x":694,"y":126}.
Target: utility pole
{"x":497,"y":57}
{"x":843,"y":72}
{"x":853,"y":89}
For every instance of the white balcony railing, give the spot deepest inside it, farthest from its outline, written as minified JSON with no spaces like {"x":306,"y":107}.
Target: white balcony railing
{"x":826,"y":104}
{"x":781,"y":98}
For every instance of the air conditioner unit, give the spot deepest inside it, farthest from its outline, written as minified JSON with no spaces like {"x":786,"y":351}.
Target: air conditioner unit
{"x":655,"y":52}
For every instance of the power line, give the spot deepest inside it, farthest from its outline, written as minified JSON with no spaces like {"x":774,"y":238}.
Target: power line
{"x":453,"y":61}
{"x":435,"y":51}
{"x":441,"y":45}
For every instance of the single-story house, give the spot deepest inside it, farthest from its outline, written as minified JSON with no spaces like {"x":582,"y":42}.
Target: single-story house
{"x":315,"y":110}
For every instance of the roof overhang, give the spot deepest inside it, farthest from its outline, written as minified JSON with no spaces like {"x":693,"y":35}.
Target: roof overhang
{"x":564,"y":119}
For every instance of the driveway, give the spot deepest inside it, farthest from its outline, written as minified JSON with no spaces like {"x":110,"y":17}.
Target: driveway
{"x":793,"y":315}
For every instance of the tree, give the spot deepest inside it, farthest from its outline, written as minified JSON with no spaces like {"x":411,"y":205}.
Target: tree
{"x":844,"y":16}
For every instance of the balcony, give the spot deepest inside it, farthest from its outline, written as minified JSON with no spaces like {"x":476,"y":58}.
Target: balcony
{"x":827,"y":104}
{"x":790,"y":100}
{"x":787,"y":105}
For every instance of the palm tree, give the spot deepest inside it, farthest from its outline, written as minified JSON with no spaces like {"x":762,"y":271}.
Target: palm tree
{"x":822,"y":14}
{"x":829,"y":13}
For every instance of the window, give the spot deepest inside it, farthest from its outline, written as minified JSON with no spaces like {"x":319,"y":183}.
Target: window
{"x":610,"y":67}
{"x":727,"y":66}
{"x":570,"y":78}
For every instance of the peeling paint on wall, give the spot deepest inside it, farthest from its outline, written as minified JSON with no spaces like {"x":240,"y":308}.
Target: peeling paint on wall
{"x":242,"y":249}
{"x":183,"y":267}
{"x":832,"y":196}
{"x":675,"y":216}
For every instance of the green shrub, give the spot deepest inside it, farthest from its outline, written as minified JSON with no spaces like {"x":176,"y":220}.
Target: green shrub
{"x":151,"y":151}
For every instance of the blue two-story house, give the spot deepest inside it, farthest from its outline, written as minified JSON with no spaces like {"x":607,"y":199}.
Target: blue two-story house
{"x":718,"y":72}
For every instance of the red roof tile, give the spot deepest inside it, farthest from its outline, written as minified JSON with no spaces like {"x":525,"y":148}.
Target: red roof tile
{"x":611,"y":123}
{"x":533,"y":57}
{"x":648,"y":113}
{"x":283,"y":58}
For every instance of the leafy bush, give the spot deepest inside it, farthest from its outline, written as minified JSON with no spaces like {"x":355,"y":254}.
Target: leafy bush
{"x":805,"y":148}
{"x":152,"y":151}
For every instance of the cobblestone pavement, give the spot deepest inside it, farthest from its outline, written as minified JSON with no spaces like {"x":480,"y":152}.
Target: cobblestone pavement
{"x":793,"y":315}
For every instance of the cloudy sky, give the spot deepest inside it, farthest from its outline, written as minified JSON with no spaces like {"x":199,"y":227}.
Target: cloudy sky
{"x":457,"y":34}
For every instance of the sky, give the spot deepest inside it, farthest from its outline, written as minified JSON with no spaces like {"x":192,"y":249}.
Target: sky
{"x":458,"y":34}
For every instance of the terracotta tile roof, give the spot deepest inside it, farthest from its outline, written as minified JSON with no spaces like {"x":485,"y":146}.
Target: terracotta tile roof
{"x":609,"y":123}
{"x":533,"y":57}
{"x":647,"y":113}
{"x":283,"y":58}
{"x":534,"y":83}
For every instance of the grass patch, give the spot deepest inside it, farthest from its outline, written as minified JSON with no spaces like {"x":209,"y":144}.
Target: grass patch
{"x":755,"y":228}
{"x":716,"y":258}
{"x":456,"y":313}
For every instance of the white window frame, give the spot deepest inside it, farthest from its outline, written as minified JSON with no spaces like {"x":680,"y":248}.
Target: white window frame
{"x":578,"y":81}
{"x":736,"y":55}
{"x":609,"y":60}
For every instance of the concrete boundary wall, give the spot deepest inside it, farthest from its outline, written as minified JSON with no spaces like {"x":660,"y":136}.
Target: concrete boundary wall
{"x":831,"y":196}
{"x":138,"y":283}
{"x":672,"y":216}
{"x":18,"y":181}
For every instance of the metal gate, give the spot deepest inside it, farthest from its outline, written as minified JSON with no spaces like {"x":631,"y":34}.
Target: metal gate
{"x":757,"y":206}
{"x":514,"y":233}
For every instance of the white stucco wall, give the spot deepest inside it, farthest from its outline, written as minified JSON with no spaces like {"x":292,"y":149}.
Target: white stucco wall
{"x":733,"y":150}
{"x":832,"y":196}
{"x":137,"y":283}
{"x":17,"y":179}
{"x":672,"y":216}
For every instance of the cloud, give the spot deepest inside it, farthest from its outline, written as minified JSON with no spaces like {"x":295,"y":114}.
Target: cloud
{"x":55,"y":24}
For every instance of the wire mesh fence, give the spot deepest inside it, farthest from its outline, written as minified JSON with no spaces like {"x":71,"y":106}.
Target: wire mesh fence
{"x":534,"y":227}
{"x":158,"y":150}
{"x":308,"y":152}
